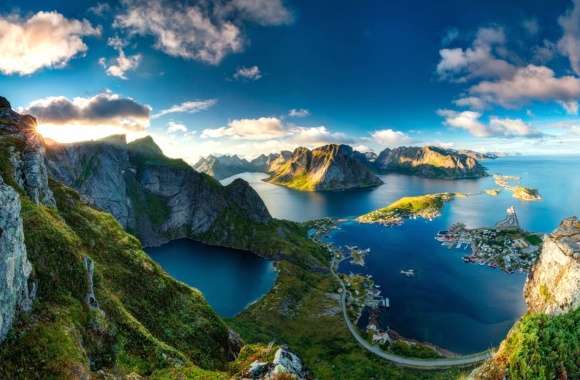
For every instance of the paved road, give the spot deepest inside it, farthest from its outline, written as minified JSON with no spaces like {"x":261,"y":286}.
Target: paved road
{"x":458,"y":361}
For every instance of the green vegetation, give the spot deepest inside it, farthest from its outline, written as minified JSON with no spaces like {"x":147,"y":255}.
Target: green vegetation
{"x":146,"y":204}
{"x":86,"y":170}
{"x":298,"y":180}
{"x":150,"y":322}
{"x":302,"y":311}
{"x":526,"y":193}
{"x":145,"y":152}
{"x":8,"y":143}
{"x":278,"y":239}
{"x":540,"y":347}
{"x":426,"y":206}
{"x":534,"y":239}
{"x":413,"y":350}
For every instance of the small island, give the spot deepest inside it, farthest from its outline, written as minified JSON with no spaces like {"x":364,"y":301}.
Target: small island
{"x":526,"y":193}
{"x":426,"y":206}
{"x":492,"y":192}
{"x":512,"y":183}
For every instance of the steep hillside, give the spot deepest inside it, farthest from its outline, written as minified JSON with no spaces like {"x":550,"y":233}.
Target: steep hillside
{"x":79,"y":297}
{"x":429,"y":161}
{"x":327,"y":168}
{"x":545,"y":343}
{"x":156,"y":198}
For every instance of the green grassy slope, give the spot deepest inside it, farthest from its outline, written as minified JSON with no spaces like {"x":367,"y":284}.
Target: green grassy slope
{"x":150,"y":321}
{"x":539,"y":347}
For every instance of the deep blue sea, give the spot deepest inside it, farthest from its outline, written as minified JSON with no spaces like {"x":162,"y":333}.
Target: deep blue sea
{"x":461,"y":307}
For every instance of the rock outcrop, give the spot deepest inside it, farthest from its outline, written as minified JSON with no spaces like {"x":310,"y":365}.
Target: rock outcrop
{"x":327,"y":168}
{"x":544,"y":342}
{"x":15,"y":268}
{"x":429,"y":161}
{"x":553,"y":286}
{"x":27,"y":157}
{"x":157,"y":198}
{"x":285,"y":365}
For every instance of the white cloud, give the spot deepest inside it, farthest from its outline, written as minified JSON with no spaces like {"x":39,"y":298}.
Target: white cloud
{"x":174,"y":127}
{"x":450,"y":36}
{"x":263,"y":128}
{"x":100,"y":9}
{"x":390,"y":137}
{"x":77,"y":119}
{"x":472,"y":102}
{"x":313,"y":136}
{"x":264,"y":12}
{"x":249,"y":73}
{"x":569,"y":44}
{"x":120,"y":65}
{"x":528,"y":84}
{"x":362,"y":148}
{"x":477,"y":61}
{"x":46,"y":39}
{"x":531,"y":26}
{"x":206,"y":31}
{"x":470,"y":121}
{"x":571,"y":107}
{"x":191,"y":106}
{"x":298,"y":112}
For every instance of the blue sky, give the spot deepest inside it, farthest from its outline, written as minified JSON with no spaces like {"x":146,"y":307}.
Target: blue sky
{"x":223,"y":76}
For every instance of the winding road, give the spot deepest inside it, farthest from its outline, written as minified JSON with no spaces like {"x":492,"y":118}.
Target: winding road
{"x":458,"y":361}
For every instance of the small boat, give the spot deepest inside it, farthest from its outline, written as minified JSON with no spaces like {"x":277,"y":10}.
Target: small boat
{"x":408,"y":272}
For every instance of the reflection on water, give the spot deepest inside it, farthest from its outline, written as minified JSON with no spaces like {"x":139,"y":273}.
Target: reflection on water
{"x":462,"y":307}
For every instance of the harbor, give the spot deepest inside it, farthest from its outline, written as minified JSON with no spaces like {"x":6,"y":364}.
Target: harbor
{"x":505,"y":246}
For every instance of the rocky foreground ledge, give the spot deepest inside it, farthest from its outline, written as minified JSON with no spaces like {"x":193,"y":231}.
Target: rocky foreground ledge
{"x":545,"y":342}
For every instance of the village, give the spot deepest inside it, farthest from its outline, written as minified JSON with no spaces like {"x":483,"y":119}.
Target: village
{"x":505,"y":246}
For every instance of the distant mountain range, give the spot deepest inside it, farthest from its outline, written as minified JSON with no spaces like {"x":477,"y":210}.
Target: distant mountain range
{"x":340,"y":167}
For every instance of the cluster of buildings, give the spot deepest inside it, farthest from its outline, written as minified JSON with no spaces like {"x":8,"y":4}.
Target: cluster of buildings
{"x":505,"y":246}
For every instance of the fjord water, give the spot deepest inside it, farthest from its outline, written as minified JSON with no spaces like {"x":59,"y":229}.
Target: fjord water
{"x":229,"y":279}
{"x":461,"y":307}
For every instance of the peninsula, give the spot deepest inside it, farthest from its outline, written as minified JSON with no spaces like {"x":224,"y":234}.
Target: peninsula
{"x":426,"y":206}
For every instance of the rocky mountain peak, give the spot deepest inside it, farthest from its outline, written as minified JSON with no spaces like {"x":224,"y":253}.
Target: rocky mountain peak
{"x":4,"y":103}
{"x":327,"y":168}
{"x":27,"y":158}
{"x":145,"y":146}
{"x":428,"y":161}
{"x":155,"y":197}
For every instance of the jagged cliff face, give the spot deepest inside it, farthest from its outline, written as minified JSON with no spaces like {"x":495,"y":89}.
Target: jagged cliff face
{"x":429,"y":161}
{"x":102,"y":307}
{"x":553,"y":286}
{"x":15,"y":268}
{"x":26,"y":158}
{"x":544,"y":343}
{"x":157,"y":198}
{"x":22,"y":166}
{"x":327,"y":168}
